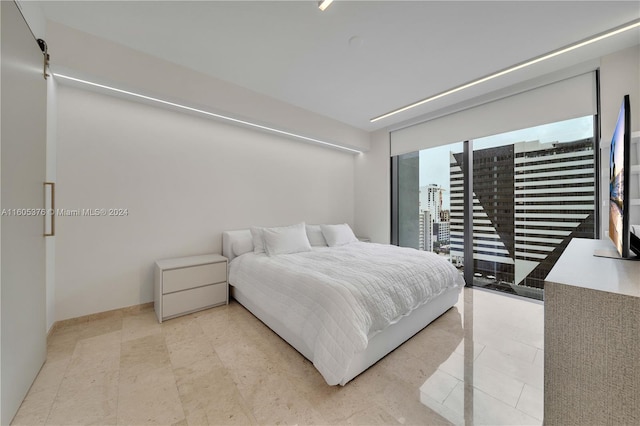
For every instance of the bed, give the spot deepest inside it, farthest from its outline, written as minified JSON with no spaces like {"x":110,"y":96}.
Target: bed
{"x":343,"y":306}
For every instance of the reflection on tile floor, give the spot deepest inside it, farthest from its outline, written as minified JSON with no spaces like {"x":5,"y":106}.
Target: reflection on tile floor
{"x":480,"y":362}
{"x":498,"y":364}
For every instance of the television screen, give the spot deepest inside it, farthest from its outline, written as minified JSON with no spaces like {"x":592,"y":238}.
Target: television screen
{"x":619,"y":181}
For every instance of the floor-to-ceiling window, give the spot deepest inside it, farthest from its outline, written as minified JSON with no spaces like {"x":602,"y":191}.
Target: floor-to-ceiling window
{"x":501,"y":187}
{"x":533,"y":190}
{"x":425,"y":203}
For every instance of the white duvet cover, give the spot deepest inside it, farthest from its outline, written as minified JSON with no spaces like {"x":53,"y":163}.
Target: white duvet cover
{"x":336,"y":298}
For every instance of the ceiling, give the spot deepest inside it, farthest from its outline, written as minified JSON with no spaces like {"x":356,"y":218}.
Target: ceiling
{"x":358,"y":59}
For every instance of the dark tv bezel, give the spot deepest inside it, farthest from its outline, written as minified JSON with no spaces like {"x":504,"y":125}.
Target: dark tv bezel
{"x":634,"y":244}
{"x":626,"y":245}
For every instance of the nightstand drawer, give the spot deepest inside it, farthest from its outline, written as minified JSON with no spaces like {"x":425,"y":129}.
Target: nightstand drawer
{"x":187,"y":284}
{"x":194,"y":276}
{"x":194,"y":299}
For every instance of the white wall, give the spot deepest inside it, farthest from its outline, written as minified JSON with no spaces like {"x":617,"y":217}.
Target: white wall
{"x":373,"y":190}
{"x":184,"y":180}
{"x":619,"y":76}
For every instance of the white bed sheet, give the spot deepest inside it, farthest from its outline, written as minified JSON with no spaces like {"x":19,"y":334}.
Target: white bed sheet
{"x":336,"y":299}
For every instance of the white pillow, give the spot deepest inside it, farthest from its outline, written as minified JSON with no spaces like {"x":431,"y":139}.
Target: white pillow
{"x":258,"y":241}
{"x":338,"y":235}
{"x":286,"y":240}
{"x":242,"y":246}
{"x":314,"y":234}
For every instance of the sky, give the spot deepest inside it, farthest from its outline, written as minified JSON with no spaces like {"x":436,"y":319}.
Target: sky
{"x":434,"y":162}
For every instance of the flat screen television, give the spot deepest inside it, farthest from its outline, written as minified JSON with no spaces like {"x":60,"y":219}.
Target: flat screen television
{"x":619,"y":166}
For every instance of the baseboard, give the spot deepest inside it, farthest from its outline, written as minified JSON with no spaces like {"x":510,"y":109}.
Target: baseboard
{"x":129,"y":310}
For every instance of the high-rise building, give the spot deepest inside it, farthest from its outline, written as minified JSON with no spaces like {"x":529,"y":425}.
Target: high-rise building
{"x":554,"y":190}
{"x":421,"y":230}
{"x":426,"y":231}
{"x":442,"y":230}
{"x":493,"y":220}
{"x":430,"y":206}
{"x":431,"y":200}
{"x":530,"y":200}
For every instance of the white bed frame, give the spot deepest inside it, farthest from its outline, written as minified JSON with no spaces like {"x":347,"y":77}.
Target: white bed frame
{"x":379,"y":346}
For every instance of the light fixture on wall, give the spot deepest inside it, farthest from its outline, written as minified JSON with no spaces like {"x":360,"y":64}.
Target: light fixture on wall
{"x":323,"y":4}
{"x":225,"y":118}
{"x":626,"y":27}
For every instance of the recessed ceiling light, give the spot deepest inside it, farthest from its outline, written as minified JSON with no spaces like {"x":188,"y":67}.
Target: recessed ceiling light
{"x":626,"y":27}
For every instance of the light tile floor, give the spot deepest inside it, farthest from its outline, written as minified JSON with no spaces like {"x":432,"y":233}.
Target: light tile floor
{"x":497,"y":366}
{"x":480,"y":361}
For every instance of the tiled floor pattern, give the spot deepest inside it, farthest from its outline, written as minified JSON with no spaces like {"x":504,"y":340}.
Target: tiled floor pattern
{"x":223,"y":366}
{"x":498,"y":365}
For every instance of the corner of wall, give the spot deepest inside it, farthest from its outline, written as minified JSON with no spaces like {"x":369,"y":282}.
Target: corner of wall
{"x":619,"y":73}
{"x":372,"y":189}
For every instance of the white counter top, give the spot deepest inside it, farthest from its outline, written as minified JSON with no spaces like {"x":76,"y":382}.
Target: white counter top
{"x":580,"y":268}
{"x":183,"y":262}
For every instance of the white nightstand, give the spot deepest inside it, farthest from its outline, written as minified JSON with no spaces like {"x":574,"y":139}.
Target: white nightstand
{"x":188,"y":284}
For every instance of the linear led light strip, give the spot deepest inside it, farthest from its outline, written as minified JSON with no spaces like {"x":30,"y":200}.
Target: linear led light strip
{"x":211,"y":114}
{"x":324,"y":4}
{"x":627,"y":27}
